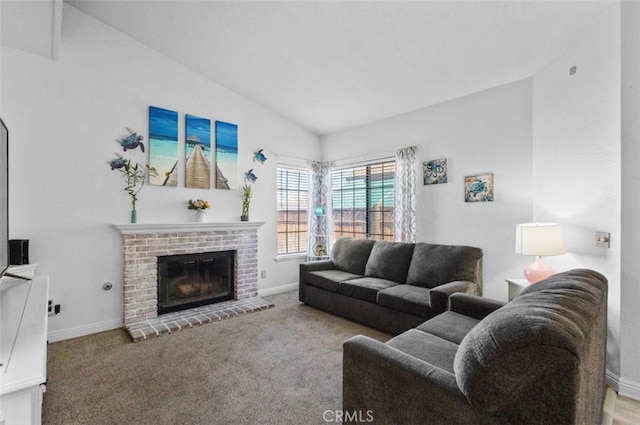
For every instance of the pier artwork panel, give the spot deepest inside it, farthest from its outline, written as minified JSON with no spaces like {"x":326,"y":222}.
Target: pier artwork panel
{"x":197,"y":152}
{"x":163,"y":146}
{"x":226,"y":156}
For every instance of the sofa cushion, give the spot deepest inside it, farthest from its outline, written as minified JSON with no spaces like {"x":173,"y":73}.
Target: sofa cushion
{"x":389,"y":260}
{"x":407,"y":299}
{"x":351,"y":255}
{"x":450,"y":326}
{"x":329,"y":279}
{"x":426,"y":347}
{"x":433,"y":265}
{"x":365,"y":288}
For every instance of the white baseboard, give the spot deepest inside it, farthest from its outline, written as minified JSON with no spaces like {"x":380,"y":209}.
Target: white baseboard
{"x":629,"y":389}
{"x":277,"y":289}
{"x":63,"y":334}
{"x":622,"y":386}
{"x":611,"y":380}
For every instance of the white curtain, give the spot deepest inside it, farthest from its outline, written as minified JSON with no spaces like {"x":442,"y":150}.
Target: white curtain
{"x":320,"y":223}
{"x":405,"y":195}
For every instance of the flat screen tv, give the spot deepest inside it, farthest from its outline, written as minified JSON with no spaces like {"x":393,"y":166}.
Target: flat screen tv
{"x":4,"y":201}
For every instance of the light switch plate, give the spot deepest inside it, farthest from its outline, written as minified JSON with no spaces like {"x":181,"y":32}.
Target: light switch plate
{"x":603,"y":239}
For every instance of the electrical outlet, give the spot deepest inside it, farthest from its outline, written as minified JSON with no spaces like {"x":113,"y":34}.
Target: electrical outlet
{"x":263,"y":274}
{"x":52,"y":309}
{"x":603,"y":239}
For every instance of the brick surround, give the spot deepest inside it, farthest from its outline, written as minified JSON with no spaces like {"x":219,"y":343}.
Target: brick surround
{"x":142,"y":244}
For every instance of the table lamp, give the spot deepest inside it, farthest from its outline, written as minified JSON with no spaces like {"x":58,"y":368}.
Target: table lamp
{"x":539,"y":239}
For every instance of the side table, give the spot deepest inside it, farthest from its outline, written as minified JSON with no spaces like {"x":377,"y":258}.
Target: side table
{"x":516,"y":286}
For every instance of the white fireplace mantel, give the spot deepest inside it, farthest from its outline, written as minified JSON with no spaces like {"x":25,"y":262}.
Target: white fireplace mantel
{"x":131,"y":228}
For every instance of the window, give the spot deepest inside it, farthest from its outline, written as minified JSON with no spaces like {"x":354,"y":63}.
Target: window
{"x":363,"y":199}
{"x":293,"y":193}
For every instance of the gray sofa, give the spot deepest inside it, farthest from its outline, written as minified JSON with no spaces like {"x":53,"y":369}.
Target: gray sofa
{"x":390,"y":286}
{"x":540,"y":359}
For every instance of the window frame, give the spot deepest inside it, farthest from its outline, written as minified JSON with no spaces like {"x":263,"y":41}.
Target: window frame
{"x":302,"y":225}
{"x":369,"y":188}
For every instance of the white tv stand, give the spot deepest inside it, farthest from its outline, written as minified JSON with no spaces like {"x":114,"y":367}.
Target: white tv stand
{"x":23,"y":346}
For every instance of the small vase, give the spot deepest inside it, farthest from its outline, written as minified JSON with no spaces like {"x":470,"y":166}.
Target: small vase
{"x":244,"y":218}
{"x":134,"y":216}
{"x":201,"y":216}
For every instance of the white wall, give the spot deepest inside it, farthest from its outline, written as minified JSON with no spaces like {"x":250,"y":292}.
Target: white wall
{"x":576,"y":152}
{"x":630,"y":237}
{"x":64,"y":118}
{"x":488,"y":131}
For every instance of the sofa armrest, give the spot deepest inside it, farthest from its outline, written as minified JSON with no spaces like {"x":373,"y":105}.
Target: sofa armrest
{"x":439,"y":296}
{"x":313,"y":266}
{"x":310,"y":266}
{"x":473,"y":305}
{"x":392,"y":387}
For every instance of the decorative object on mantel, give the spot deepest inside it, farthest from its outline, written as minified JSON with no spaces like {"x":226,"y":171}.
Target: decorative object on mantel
{"x":435,"y":171}
{"x":163,"y":146}
{"x":250,"y":177}
{"x":135,"y":175}
{"x":259,"y":156}
{"x":199,"y":206}
{"x":478,"y":188}
{"x":246,"y":201}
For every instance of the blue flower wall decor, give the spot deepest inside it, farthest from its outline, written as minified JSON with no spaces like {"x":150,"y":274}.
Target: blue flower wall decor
{"x":435,"y":171}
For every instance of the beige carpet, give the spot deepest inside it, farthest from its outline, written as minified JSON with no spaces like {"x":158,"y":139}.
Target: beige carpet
{"x":276,"y":366}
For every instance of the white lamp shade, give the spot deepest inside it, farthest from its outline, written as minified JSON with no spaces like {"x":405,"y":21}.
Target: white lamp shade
{"x":542,"y":239}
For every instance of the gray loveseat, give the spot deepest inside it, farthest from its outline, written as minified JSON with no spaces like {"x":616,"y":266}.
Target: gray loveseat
{"x":539,"y":359}
{"x":390,"y":286}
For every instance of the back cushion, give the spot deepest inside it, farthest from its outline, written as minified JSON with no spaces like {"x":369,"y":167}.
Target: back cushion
{"x":351,"y":255}
{"x":433,"y":265}
{"x":390,"y":261}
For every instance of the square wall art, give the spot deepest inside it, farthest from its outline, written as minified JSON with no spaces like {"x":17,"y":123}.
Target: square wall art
{"x":435,"y":171}
{"x":478,"y":188}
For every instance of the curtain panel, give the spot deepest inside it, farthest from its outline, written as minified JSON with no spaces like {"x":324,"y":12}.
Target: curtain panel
{"x":319,"y":217}
{"x":405,"y":195}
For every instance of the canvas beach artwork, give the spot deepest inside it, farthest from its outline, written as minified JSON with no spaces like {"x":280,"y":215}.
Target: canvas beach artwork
{"x":478,"y":188}
{"x":197,"y":152}
{"x":226,"y":176}
{"x":435,"y":171}
{"x":163,"y":146}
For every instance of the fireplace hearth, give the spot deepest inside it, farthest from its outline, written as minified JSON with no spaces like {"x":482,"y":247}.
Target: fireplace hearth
{"x":193,"y":280}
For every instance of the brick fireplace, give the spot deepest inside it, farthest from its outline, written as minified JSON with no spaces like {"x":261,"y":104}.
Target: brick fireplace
{"x":142,"y":244}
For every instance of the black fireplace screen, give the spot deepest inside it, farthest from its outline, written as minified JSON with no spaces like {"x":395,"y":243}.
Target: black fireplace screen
{"x":192,"y":280}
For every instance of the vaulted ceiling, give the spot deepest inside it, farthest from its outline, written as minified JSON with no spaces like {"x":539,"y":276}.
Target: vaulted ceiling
{"x":334,"y":65}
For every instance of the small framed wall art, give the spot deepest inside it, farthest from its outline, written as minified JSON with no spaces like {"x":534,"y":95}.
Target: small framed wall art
{"x":478,"y":188}
{"x":435,"y":171}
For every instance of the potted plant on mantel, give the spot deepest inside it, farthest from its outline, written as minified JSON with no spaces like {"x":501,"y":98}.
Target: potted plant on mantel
{"x":246,"y":201}
{"x":135,"y":176}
